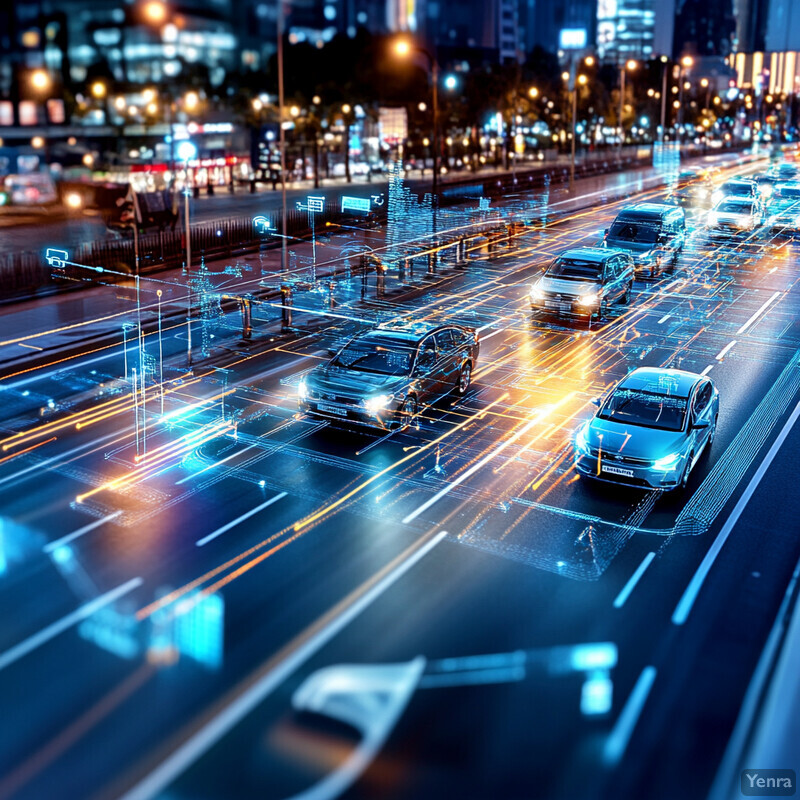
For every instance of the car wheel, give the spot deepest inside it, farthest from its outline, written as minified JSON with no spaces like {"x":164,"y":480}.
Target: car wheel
{"x":713,"y":434}
{"x":686,"y":472}
{"x":464,"y":379}
{"x":408,"y":413}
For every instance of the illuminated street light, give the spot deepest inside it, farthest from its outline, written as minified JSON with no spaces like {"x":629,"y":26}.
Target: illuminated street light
{"x":149,"y":95}
{"x":119,"y":103}
{"x":40,"y":80}
{"x":631,"y":64}
{"x":316,"y":99}
{"x":404,"y":48}
{"x":704,"y":83}
{"x":450,"y":82}
{"x":533,"y":92}
{"x":295,"y":111}
{"x":565,"y":76}
{"x":155,"y":12}
{"x":422,"y":106}
{"x":152,"y":108}
{"x":37,"y":142}
{"x":687,"y":62}
{"x":257,"y":104}
{"x":582,"y":80}
{"x":191,"y":100}
{"x":346,"y":109}
{"x":589,"y":61}
{"x":99,"y":90}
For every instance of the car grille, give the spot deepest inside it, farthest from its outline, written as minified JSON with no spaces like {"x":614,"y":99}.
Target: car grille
{"x":561,"y":298}
{"x":617,"y":458}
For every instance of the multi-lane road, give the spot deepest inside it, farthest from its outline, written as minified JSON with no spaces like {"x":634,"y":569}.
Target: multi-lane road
{"x":239,"y":602}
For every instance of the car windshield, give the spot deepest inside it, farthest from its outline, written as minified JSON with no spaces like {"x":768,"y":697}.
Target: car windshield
{"x":648,"y":409}
{"x":633,"y":231}
{"x":741,"y":189}
{"x":575,"y":269}
{"x":736,"y":206}
{"x":789,"y":191}
{"x":383,"y":356}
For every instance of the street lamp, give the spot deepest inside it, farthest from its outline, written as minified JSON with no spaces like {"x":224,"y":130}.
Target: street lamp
{"x":404,"y":48}
{"x":346,"y":111}
{"x":155,"y":12}
{"x":40,"y":80}
{"x":99,"y":90}
{"x":629,"y":65}
{"x":686,"y":64}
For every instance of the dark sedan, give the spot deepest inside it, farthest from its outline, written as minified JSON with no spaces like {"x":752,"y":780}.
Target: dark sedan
{"x":384,"y":377}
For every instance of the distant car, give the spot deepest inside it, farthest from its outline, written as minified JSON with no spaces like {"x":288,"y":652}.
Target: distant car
{"x":785,"y":219}
{"x":693,"y":187}
{"x":383,"y":378}
{"x":735,"y":215}
{"x":584,"y":282}
{"x":787,"y":172}
{"x":738,"y":187}
{"x":785,"y":193}
{"x":650,"y":430}
{"x":653,"y":233}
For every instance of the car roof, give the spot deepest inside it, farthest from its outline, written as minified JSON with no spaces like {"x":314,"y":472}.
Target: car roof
{"x":408,"y":331}
{"x":745,"y":181}
{"x":649,"y":211}
{"x":676,"y":382}
{"x":598,"y":254}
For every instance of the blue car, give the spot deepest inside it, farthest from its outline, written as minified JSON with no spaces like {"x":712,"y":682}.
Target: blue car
{"x":650,"y":430}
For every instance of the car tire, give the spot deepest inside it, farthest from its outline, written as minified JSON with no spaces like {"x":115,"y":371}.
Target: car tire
{"x":626,"y":298}
{"x":464,"y":379}
{"x":407,"y":416}
{"x":713,"y":433}
{"x":684,"y":481}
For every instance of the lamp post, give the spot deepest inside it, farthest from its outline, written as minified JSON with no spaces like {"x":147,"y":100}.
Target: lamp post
{"x":404,"y":48}
{"x":664,"y":63}
{"x":346,"y":112}
{"x":623,"y":71}
{"x":186,"y":152}
{"x":686,"y":64}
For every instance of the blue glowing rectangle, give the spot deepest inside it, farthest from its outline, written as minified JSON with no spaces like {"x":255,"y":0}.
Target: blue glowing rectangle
{"x":360,"y":204}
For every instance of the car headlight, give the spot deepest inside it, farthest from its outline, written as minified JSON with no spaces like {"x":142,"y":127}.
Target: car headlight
{"x":378,"y":403}
{"x":580,"y":440}
{"x":668,"y":462}
{"x":713,"y":218}
{"x":536,"y":293}
{"x":587,"y":299}
{"x":302,"y":390}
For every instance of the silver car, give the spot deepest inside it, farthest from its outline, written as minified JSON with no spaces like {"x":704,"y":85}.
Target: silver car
{"x":584,"y":282}
{"x":650,"y":430}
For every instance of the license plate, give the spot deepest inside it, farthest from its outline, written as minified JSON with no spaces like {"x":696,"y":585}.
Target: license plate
{"x":626,"y":473}
{"x":556,"y":306}
{"x":338,"y":411}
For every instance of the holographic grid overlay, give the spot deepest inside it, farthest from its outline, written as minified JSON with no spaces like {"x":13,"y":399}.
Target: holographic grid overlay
{"x":720,"y":484}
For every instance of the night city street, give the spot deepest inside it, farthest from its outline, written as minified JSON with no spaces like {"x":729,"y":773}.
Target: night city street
{"x":400,"y":400}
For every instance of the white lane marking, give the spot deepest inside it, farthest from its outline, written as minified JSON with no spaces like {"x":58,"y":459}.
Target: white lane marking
{"x":235,"y":522}
{"x":50,"y":546}
{"x":707,"y":369}
{"x":693,"y":589}
{"x":618,"y":739}
{"x":484,"y":338}
{"x":665,"y":318}
{"x":757,"y":314}
{"x":215,"y":464}
{"x":51,"y":631}
{"x":725,"y":350}
{"x":208,"y":735}
{"x":634,"y":579}
{"x":471,"y":471}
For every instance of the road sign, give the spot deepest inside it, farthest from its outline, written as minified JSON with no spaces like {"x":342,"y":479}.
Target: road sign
{"x":359,"y":204}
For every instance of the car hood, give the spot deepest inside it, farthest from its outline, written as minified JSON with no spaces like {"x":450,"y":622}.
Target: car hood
{"x":330,"y":380}
{"x":570,"y":287}
{"x":732,"y":216}
{"x":637,"y":248}
{"x":633,"y":440}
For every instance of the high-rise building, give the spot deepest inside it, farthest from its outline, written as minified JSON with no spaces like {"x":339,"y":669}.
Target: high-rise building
{"x":634,"y":29}
{"x":542,"y":20}
{"x":704,"y":27}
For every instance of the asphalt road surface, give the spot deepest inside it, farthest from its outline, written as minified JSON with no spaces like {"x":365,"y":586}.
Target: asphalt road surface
{"x":214,"y":597}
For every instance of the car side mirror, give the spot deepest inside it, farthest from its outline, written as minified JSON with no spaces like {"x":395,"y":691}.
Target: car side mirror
{"x":605,"y":232}
{"x":596,"y":401}
{"x":700,"y":424}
